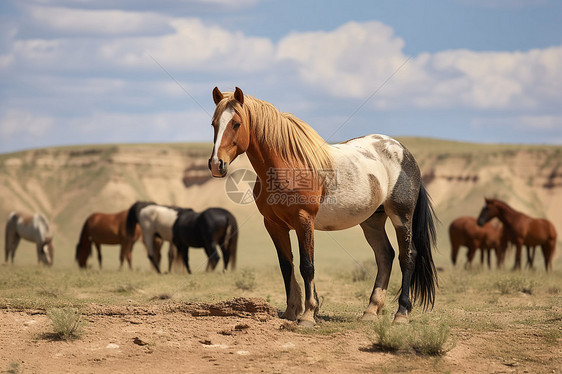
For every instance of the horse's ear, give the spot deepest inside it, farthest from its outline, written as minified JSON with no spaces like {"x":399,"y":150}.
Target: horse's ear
{"x":217,"y":95}
{"x":239,"y":95}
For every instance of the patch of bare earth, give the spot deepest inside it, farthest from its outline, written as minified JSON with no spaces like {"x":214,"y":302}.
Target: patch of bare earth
{"x":240,"y":335}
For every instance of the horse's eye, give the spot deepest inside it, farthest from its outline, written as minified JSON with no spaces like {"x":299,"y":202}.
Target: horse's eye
{"x":236,"y":125}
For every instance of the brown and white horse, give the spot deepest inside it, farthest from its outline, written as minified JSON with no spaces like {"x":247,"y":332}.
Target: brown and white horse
{"x":307,"y":184}
{"x":522,"y":230}
{"x":34,"y":228}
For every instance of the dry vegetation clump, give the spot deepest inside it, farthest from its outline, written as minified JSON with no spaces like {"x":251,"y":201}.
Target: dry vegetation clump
{"x":67,"y":323}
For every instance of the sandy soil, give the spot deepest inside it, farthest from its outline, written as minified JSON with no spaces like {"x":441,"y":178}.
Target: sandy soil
{"x":242,"y":335}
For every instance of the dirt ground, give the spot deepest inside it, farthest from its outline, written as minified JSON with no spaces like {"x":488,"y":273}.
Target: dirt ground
{"x":241,"y":335}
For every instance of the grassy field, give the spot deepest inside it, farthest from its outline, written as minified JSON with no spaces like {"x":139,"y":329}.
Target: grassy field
{"x":509,"y":315}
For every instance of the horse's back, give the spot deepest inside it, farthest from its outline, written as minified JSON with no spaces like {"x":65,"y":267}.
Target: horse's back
{"x":540,"y":231}
{"x":367,"y":172}
{"x":105,"y":228}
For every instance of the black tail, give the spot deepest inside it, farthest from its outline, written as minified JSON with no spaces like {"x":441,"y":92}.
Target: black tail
{"x":232,"y":240}
{"x":424,"y":280}
{"x":133,"y":216}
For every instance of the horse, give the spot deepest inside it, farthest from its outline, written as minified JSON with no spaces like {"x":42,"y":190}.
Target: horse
{"x":305,"y":184}
{"x":34,"y":228}
{"x":522,"y":230}
{"x":102,"y":228}
{"x":211,"y":229}
{"x":464,"y":231}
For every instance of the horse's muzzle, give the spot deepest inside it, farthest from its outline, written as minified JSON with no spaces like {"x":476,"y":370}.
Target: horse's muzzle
{"x":218,"y":169}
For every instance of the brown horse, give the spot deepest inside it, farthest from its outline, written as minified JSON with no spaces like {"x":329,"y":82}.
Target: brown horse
{"x":522,"y":230}
{"x":102,"y":228}
{"x":464,"y":231}
{"x":305,"y":184}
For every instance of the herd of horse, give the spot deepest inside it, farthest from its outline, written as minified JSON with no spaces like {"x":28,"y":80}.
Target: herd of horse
{"x":511,"y":226}
{"x":210,"y":229}
{"x":373,"y":178}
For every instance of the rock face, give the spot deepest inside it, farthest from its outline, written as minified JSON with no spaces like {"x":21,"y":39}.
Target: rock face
{"x":69,"y":183}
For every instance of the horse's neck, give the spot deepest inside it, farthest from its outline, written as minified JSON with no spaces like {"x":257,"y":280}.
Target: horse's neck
{"x":260,"y":160}
{"x":507,"y":214}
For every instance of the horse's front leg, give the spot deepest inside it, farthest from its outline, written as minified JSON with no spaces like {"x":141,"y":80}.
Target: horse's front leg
{"x":305,"y":234}
{"x":282,"y":242}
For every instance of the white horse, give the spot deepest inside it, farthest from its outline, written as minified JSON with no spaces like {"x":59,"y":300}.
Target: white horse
{"x":156,"y":222}
{"x":34,"y":228}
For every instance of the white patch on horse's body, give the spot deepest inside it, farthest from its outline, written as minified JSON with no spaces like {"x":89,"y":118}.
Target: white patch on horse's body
{"x":224,"y":119}
{"x":34,"y":229}
{"x":366,"y":171}
{"x":155,"y":219}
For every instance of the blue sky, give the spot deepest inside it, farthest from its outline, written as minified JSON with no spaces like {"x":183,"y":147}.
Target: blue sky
{"x":106,"y":71}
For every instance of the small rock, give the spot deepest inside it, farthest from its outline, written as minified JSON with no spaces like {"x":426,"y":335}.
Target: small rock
{"x":138,"y":341}
{"x":30,"y":322}
{"x":112,"y":346}
{"x":243,"y":353}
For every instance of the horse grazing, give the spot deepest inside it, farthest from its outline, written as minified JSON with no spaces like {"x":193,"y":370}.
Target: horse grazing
{"x":211,"y":229}
{"x":308,"y":184}
{"x":34,"y":228}
{"x":522,"y":230}
{"x":102,"y":228}
{"x":464,"y":231}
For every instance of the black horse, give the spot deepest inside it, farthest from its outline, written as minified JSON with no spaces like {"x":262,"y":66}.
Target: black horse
{"x":212,"y":228}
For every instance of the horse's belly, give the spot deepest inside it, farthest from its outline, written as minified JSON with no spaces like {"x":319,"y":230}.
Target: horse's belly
{"x":334,"y":219}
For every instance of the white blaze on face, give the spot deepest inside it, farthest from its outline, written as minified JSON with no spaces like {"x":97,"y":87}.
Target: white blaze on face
{"x":224,"y":119}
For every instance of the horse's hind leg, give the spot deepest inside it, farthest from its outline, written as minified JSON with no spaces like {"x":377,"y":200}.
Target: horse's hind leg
{"x":374,"y":231}
{"x":225,"y":254}
{"x":211,"y":248}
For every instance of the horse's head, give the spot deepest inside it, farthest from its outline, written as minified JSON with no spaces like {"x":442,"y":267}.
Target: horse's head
{"x":489,"y":211}
{"x":48,"y":250}
{"x":232,"y":130}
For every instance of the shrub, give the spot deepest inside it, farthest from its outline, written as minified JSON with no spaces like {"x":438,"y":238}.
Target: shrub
{"x":67,"y":322}
{"x":246,"y":280}
{"x":391,"y":338}
{"x":431,"y":340}
{"x":421,"y":336}
{"x":366,"y":270}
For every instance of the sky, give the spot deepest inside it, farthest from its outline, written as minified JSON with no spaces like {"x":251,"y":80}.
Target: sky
{"x":142,"y":71}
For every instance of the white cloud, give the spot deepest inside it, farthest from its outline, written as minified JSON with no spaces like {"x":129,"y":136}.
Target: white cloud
{"x":21,"y":123}
{"x":355,"y":59}
{"x":79,"y":22}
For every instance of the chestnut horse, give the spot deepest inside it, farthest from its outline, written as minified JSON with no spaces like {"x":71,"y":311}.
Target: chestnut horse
{"x":102,"y":228}
{"x":32,"y":227}
{"x":464,"y":231}
{"x":307,"y":184}
{"x":522,"y":230}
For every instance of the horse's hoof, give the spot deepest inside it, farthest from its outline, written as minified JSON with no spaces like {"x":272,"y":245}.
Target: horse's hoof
{"x":368,"y":317}
{"x":306,"y":323}
{"x":400,"y":319}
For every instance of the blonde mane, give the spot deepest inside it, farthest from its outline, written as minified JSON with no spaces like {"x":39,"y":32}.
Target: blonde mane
{"x":298,"y":144}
